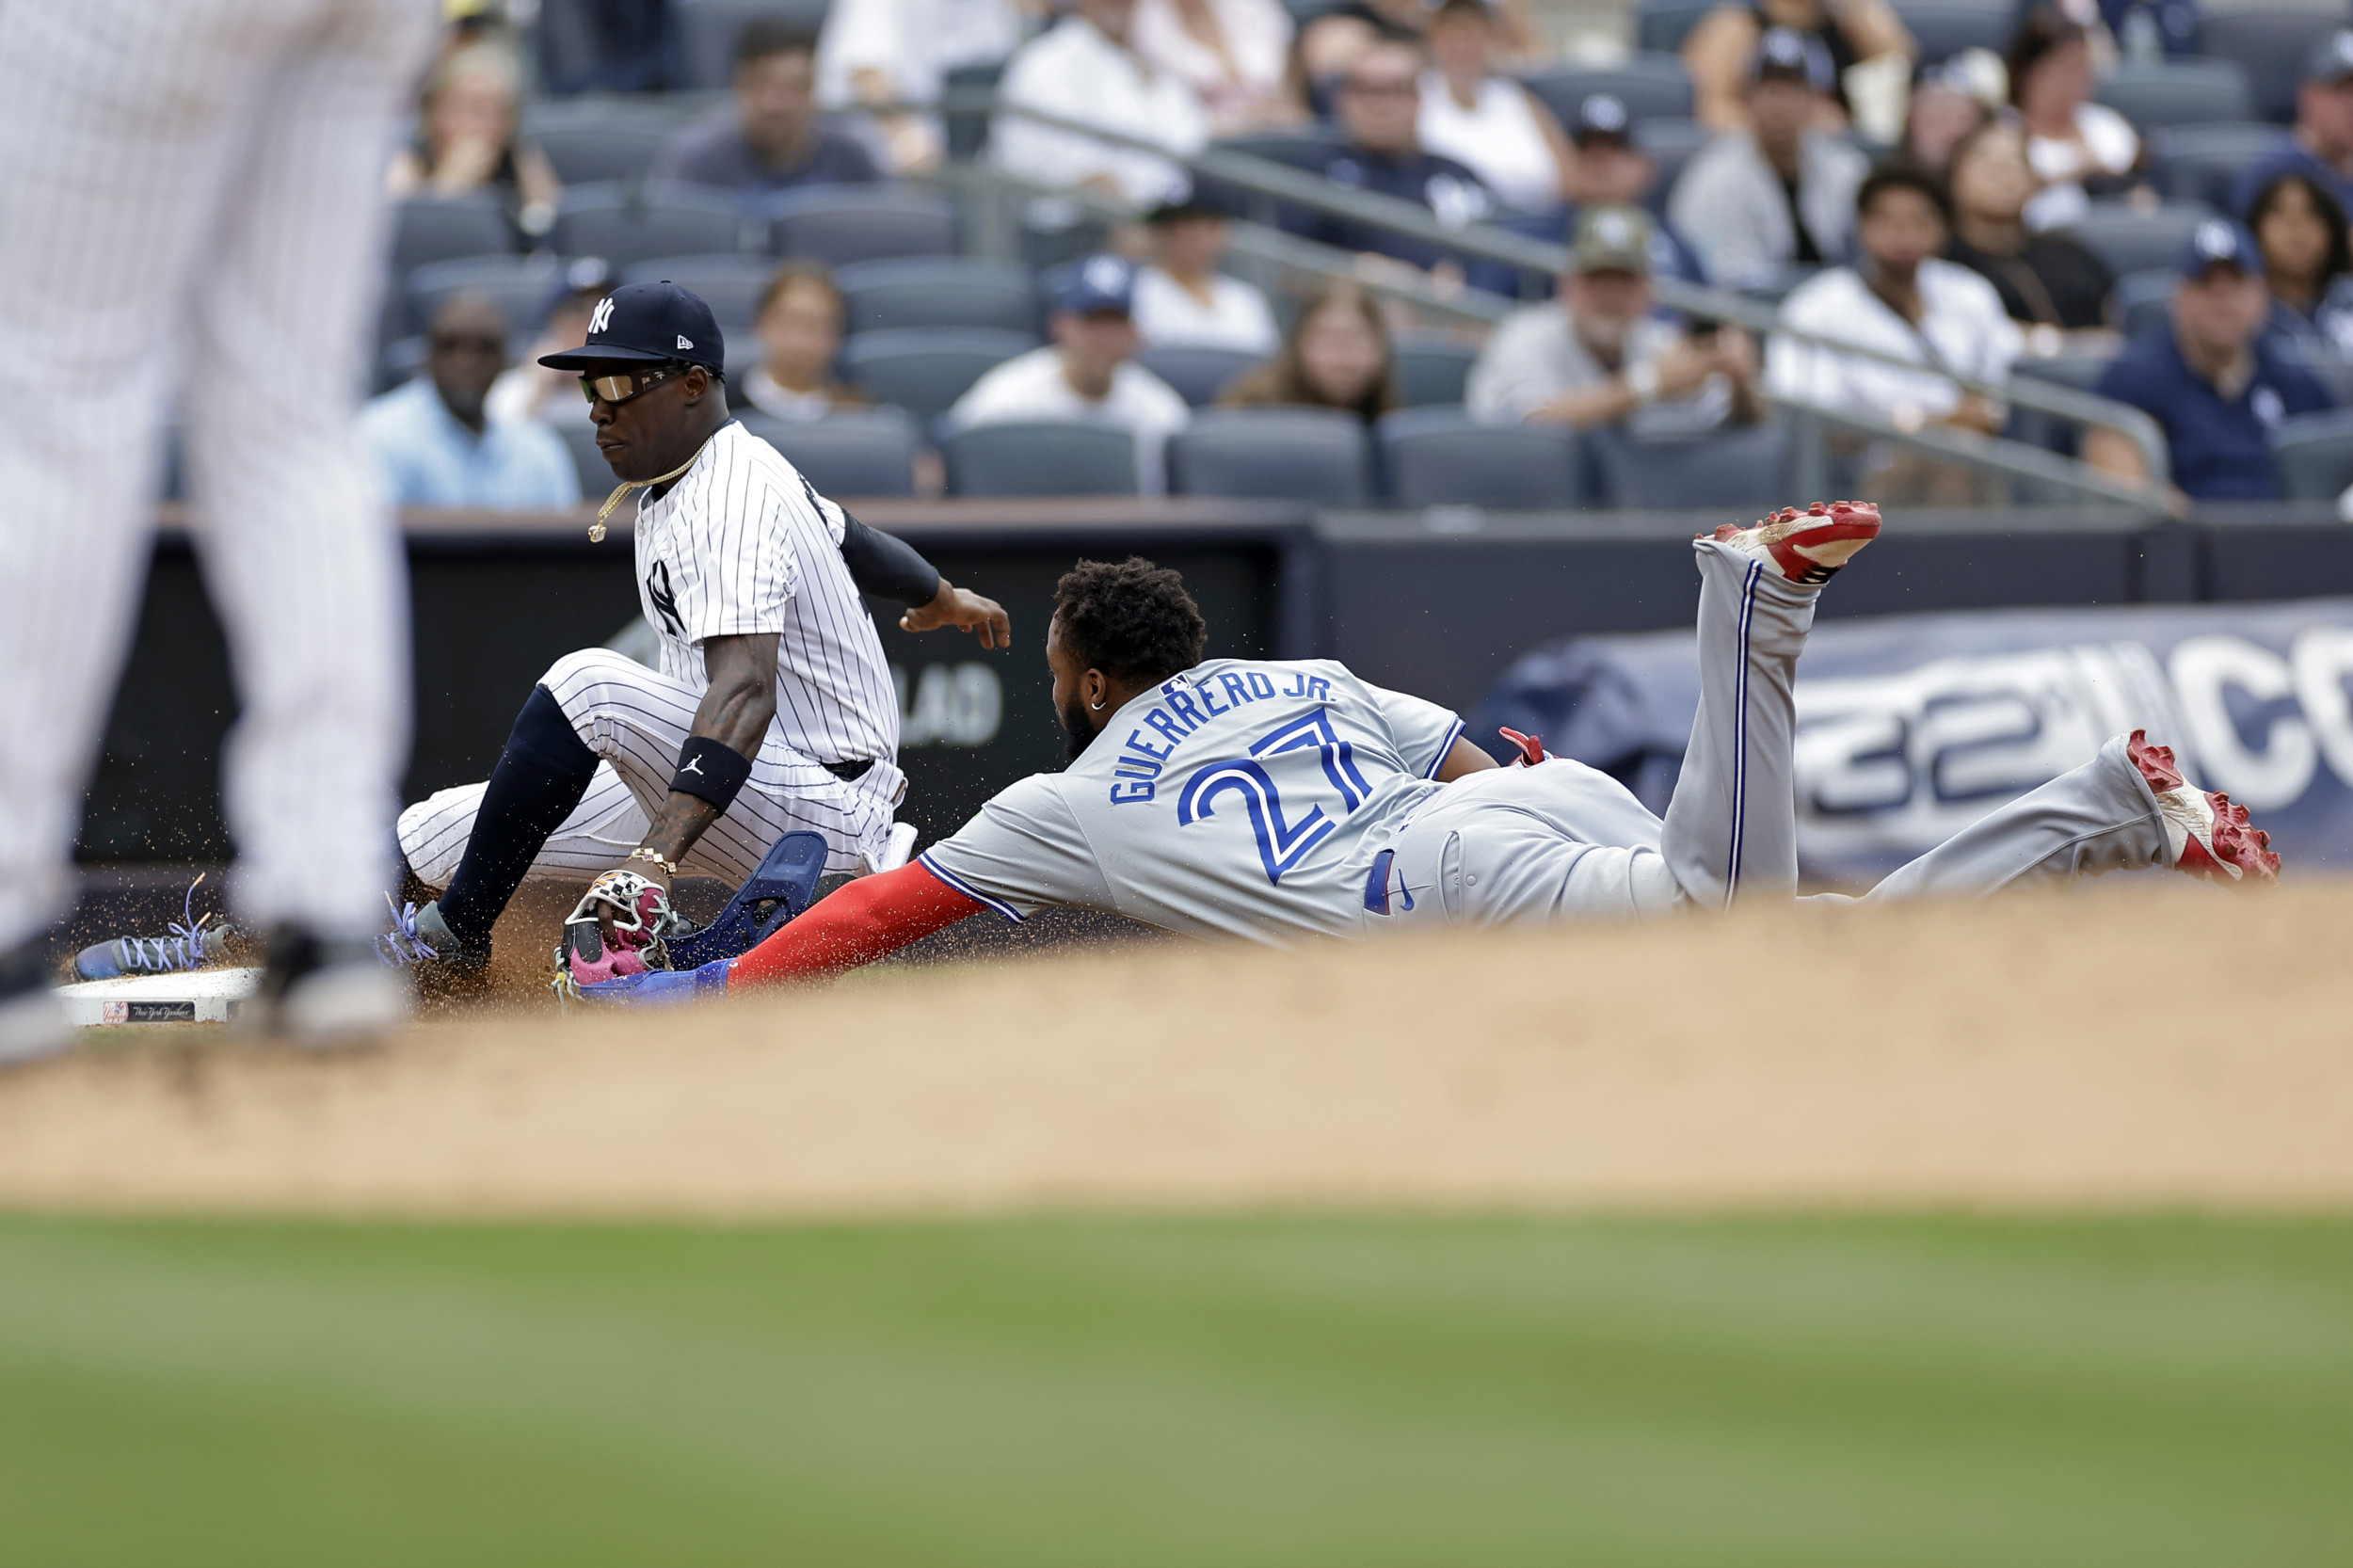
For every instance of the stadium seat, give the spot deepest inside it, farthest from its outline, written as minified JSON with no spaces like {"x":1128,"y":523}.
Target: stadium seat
{"x":434,"y":228}
{"x":1305,"y":147}
{"x":2079,"y":370}
{"x":706,"y":31}
{"x":1431,"y":370}
{"x":2315,"y":455}
{"x":1670,"y":144}
{"x":2129,"y":239}
{"x":967,"y":129}
{"x":1739,"y":468}
{"x":1043,"y":458}
{"x":1653,"y":86}
{"x":841,"y":224}
{"x":855,"y":452}
{"x":924,"y":369}
{"x":2335,"y":372}
{"x":625,"y":224}
{"x":1661,"y":26}
{"x":2141,"y":299}
{"x":2197,"y":163}
{"x":1443,"y":457}
{"x":595,"y":474}
{"x":2271,"y":41}
{"x":729,"y":282}
{"x":938,"y":291}
{"x":524,"y":286}
{"x":1943,"y":28}
{"x":587,"y":152}
{"x":2178,"y":92}
{"x":1197,"y":371}
{"x":1318,"y":455}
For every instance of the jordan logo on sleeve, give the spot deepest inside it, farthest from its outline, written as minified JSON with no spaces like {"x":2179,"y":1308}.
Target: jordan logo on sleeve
{"x":665,"y":602}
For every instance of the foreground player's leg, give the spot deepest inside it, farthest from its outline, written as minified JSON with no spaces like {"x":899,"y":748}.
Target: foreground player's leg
{"x":2127,"y":810}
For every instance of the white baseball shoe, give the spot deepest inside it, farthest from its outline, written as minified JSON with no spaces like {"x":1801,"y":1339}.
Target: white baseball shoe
{"x":1805,"y":546}
{"x":2206,"y":835}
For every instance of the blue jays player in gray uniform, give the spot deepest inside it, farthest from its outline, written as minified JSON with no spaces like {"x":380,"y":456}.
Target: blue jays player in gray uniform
{"x":1278,"y":801}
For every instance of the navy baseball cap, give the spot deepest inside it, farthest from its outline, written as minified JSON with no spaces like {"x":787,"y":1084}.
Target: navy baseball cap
{"x":2219,"y":242}
{"x":647,"y":324}
{"x":1101,"y":282}
{"x":1602,"y":116}
{"x":1785,"y":55}
{"x":2331,"y":58}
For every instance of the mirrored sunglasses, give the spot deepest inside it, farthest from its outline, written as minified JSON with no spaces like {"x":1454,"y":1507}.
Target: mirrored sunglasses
{"x":624,"y":385}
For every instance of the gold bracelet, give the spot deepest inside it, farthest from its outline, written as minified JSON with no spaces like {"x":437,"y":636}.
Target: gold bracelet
{"x":668,"y":867}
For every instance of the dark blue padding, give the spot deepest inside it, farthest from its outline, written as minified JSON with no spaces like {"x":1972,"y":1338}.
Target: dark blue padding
{"x":783,"y":886}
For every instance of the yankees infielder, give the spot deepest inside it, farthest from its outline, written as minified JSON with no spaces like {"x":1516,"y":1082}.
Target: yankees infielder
{"x":772,"y":709}
{"x":191,"y":193}
{"x":1275,"y":801}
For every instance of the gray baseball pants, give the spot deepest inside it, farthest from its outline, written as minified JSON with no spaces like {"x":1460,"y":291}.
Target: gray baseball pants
{"x":1564,"y":841}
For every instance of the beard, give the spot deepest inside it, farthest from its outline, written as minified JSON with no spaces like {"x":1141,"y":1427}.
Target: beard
{"x":1076,"y":737}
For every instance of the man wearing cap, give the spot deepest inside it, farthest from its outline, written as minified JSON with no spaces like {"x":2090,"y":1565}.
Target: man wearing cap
{"x":1087,"y":374}
{"x":1780,"y":193}
{"x":1182,"y":299}
{"x":1612,"y":172}
{"x":2211,"y":378}
{"x":772,"y":709}
{"x":1597,"y":355}
{"x":2320,"y":143}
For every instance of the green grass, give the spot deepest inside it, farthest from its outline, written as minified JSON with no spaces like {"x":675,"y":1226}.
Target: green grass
{"x":1105,"y":1392}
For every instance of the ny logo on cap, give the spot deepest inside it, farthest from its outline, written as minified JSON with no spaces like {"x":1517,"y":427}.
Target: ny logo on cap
{"x":603,"y":318}
{"x":2214,"y":238}
{"x":1614,"y":228}
{"x":1108,"y":274}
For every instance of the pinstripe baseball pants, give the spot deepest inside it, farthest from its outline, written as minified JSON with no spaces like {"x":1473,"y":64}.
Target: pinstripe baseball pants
{"x":1562,"y":841}
{"x":199,"y":184}
{"x":635,"y":719}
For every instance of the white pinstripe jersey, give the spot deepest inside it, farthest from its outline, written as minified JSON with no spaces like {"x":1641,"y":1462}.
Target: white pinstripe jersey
{"x":1243,"y":798}
{"x":742,"y":544}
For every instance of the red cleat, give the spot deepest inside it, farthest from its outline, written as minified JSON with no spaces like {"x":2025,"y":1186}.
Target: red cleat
{"x":1805,"y":546}
{"x":2208,"y":836}
{"x":1531,"y":747}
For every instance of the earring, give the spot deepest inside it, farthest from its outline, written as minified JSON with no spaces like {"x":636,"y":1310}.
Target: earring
{"x":1098,"y":707}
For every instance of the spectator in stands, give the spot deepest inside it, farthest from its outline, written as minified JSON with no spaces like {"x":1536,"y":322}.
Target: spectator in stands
{"x":1230,"y":52}
{"x":1087,"y":69}
{"x":467,"y":141}
{"x":1612,"y":171}
{"x":1337,"y":358}
{"x":2148,"y":30}
{"x":1086,"y":374}
{"x":1597,"y":354}
{"x":878,"y":51}
{"x":529,"y":389}
{"x":1321,"y":53}
{"x":1181,"y":298}
{"x":434,"y":440}
{"x":1380,"y":106}
{"x":2320,"y":143}
{"x":1843,"y":33}
{"x":2308,"y":264}
{"x":1899,"y":300}
{"x":2077,"y":148}
{"x":770,"y":139}
{"x":1779,"y":193}
{"x":2048,"y":282}
{"x":799,"y":320}
{"x":2211,"y":379}
{"x":1946,"y":105}
{"x":1487,"y":121}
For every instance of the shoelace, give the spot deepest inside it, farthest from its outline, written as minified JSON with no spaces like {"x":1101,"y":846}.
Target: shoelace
{"x":401,"y":945}
{"x":182,"y":949}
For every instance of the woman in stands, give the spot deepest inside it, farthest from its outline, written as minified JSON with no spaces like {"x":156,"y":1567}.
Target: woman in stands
{"x":1719,"y":50}
{"x":1231,"y":53}
{"x":2050,"y":285}
{"x":2308,"y":264}
{"x":2077,"y":148}
{"x":799,"y":321}
{"x":467,"y":141}
{"x":1474,"y":114}
{"x":1337,"y":358}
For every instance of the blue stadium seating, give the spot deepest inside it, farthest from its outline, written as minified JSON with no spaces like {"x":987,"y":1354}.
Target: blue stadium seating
{"x":1442,"y":458}
{"x":1043,"y":458}
{"x":1943,"y":28}
{"x":2131,"y":240}
{"x":2270,"y":41}
{"x":938,"y":291}
{"x":854,"y":451}
{"x":594,"y":139}
{"x":967,"y":129}
{"x":706,"y":31}
{"x":729,"y":282}
{"x":2141,"y":299}
{"x":625,"y":224}
{"x":1670,"y":144}
{"x":524,"y":286}
{"x":1738,"y":468}
{"x":595,"y":474}
{"x":1661,"y":26}
{"x":2178,"y":92}
{"x":437,"y":229}
{"x":1431,"y":370}
{"x":924,"y":369}
{"x":1318,"y":454}
{"x":2197,"y":163}
{"x":2079,"y":369}
{"x":1197,"y":371}
{"x":2315,"y":455}
{"x":841,"y":224}
{"x":1653,"y":86}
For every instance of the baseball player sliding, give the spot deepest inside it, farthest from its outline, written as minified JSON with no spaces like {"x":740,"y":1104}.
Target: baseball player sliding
{"x":772,"y":711}
{"x":1275,"y":801}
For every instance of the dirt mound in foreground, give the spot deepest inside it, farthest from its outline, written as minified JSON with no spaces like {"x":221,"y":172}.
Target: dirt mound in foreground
{"x":2141,"y":1045}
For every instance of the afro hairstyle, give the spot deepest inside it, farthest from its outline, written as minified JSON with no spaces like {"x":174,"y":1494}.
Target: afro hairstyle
{"x":1133,"y":620}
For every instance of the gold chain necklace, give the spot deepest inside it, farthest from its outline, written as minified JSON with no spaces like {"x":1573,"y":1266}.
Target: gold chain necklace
{"x":596,"y":529}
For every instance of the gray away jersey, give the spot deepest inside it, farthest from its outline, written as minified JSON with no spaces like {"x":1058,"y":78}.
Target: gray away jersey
{"x":742,"y":544}
{"x":1243,"y":798}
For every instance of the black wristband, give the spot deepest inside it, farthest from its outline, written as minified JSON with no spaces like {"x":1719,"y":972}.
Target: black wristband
{"x":711,"y":770}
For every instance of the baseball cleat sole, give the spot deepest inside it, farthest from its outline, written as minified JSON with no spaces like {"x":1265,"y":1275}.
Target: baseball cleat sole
{"x":2207,"y":834}
{"x":1808,"y":547}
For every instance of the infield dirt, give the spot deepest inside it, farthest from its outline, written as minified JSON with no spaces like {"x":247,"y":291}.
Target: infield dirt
{"x":2135,"y":1045}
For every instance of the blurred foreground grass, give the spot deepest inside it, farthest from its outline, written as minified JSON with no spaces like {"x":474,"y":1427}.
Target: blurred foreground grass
{"x":1134,"y":1392}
